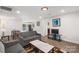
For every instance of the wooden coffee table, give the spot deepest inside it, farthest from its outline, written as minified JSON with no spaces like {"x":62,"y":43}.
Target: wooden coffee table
{"x":42,"y":46}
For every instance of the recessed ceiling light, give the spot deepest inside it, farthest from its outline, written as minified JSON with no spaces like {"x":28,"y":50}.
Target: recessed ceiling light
{"x":62,"y":11}
{"x":44,"y":8}
{"x":18,"y":12}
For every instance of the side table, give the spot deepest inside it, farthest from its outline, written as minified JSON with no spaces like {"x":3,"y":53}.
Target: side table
{"x":5,"y":37}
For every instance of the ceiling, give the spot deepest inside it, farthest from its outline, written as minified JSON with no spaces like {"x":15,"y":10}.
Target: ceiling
{"x":36,"y":13}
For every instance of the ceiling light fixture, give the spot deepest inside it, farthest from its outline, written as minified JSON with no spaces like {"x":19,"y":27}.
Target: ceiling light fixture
{"x":17,"y":12}
{"x":62,"y":11}
{"x":44,"y":8}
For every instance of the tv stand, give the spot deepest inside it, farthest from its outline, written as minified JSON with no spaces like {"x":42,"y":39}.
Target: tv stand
{"x":54,"y":35}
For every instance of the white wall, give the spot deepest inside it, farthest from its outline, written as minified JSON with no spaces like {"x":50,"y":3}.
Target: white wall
{"x":44,"y":27}
{"x":69,"y":27}
{"x":9,"y":23}
{"x":26,"y":19}
{"x":38,"y":28}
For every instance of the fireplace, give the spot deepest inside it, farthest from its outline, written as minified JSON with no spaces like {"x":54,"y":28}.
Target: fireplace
{"x":55,"y":31}
{"x":54,"y":34}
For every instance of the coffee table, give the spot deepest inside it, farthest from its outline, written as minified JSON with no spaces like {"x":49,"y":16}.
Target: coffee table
{"x":42,"y":46}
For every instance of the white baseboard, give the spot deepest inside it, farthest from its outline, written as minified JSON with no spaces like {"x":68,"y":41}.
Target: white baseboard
{"x":72,"y":41}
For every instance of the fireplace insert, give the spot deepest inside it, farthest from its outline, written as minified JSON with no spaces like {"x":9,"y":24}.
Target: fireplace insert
{"x":55,"y":31}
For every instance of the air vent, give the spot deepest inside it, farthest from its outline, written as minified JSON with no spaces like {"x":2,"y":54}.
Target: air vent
{"x":6,"y":8}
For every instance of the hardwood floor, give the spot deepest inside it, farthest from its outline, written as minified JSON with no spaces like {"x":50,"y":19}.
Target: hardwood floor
{"x":67,"y":46}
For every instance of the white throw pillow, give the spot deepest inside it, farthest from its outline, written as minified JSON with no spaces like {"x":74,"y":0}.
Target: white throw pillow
{"x":2,"y":48}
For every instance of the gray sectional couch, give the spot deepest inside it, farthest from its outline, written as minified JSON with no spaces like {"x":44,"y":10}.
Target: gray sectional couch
{"x":15,"y":48}
{"x":26,"y":37}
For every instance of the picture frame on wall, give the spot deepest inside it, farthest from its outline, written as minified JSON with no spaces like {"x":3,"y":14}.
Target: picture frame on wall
{"x":56,"y":22}
{"x":38,"y":23}
{"x":24,"y":27}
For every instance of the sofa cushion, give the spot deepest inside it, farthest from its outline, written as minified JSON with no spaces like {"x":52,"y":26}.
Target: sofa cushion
{"x":15,"y":49}
{"x":35,"y":36}
{"x":2,"y":48}
{"x":26,"y":37}
{"x":23,"y":34}
{"x":32,"y":33}
{"x":8,"y":44}
{"x":31,"y":37}
{"x":26,"y":34}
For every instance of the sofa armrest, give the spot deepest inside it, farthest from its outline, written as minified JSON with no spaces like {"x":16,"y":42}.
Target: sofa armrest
{"x":8,"y":44}
{"x":17,"y":48}
{"x":20,"y":37}
{"x":38,"y":34}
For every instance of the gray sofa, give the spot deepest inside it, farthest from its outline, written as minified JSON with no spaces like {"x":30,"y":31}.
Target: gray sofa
{"x":26,"y":37}
{"x":15,"y":48}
